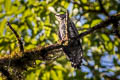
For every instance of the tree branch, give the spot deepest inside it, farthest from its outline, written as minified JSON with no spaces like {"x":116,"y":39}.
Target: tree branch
{"x":102,"y":8}
{"x":18,"y":38}
{"x":39,"y":53}
{"x":116,"y":29}
{"x":103,"y":24}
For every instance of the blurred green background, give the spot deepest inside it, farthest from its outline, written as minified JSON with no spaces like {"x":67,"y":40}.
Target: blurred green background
{"x":35,"y":22}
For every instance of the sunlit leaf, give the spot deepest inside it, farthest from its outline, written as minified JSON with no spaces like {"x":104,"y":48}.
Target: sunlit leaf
{"x":53,"y":75}
{"x":12,"y":46}
{"x":42,"y":37}
{"x":109,"y":46}
{"x":7,"y":5}
{"x":86,"y":7}
{"x":65,"y":4}
{"x":30,"y":46}
{"x":2,"y":26}
{"x":2,"y":15}
{"x":58,"y":67}
{"x":52,"y":3}
{"x":105,"y":37}
{"x":55,"y":37}
{"x":84,"y":1}
{"x":1,"y":1}
{"x":1,"y":78}
{"x":46,"y":76}
{"x":86,"y":26}
{"x":20,"y":10}
{"x":60,"y":74}
{"x":33,"y":41}
{"x":47,"y":31}
{"x":95,"y":22}
{"x":1,"y":8}
{"x":30,"y":76}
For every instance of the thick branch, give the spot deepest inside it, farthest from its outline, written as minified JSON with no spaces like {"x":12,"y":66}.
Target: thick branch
{"x":39,"y":53}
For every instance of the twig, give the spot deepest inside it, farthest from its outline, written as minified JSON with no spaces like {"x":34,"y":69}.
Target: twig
{"x":102,"y":8}
{"x":82,"y":29}
{"x":18,"y":38}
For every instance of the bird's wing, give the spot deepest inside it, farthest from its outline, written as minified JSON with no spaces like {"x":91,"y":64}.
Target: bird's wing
{"x":74,"y":53}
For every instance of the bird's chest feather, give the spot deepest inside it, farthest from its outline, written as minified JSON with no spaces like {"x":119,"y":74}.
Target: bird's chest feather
{"x":67,"y":31}
{"x":62,"y":30}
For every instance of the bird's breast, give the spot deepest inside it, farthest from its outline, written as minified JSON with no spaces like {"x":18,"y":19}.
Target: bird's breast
{"x":62,"y":30}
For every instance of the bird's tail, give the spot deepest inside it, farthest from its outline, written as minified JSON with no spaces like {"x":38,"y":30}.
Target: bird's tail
{"x":74,"y":53}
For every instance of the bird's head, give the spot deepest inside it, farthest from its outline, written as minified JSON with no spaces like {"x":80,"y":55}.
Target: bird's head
{"x":60,"y":17}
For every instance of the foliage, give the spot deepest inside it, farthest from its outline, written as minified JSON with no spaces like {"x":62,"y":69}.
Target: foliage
{"x":35,"y":22}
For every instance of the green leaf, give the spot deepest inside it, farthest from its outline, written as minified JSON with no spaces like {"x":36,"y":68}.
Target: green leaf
{"x":116,"y":42}
{"x":12,"y":46}
{"x":34,"y":41}
{"x":31,"y":76}
{"x":47,"y":31}
{"x":29,"y":23}
{"x":1,"y":1}
{"x":46,"y":76}
{"x":60,"y":74}
{"x":52,"y":3}
{"x":7,"y":5}
{"x":42,"y":37}
{"x":26,"y":13}
{"x":20,"y":10}
{"x":109,"y":46}
{"x":86,"y":26}
{"x":64,"y":3}
{"x":1,"y":8}
{"x":58,"y":67}
{"x":95,"y":22}
{"x":84,"y":1}
{"x":31,"y":46}
{"x":1,"y":78}
{"x":2,"y":15}
{"x":2,"y":26}
{"x":86,"y":7}
{"x":53,"y":75}
{"x":55,"y":36}
{"x":105,"y":37}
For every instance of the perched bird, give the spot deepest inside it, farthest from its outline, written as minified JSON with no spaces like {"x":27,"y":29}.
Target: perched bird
{"x":73,"y":49}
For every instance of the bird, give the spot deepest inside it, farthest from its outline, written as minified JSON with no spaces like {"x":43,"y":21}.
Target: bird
{"x":67,"y":31}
